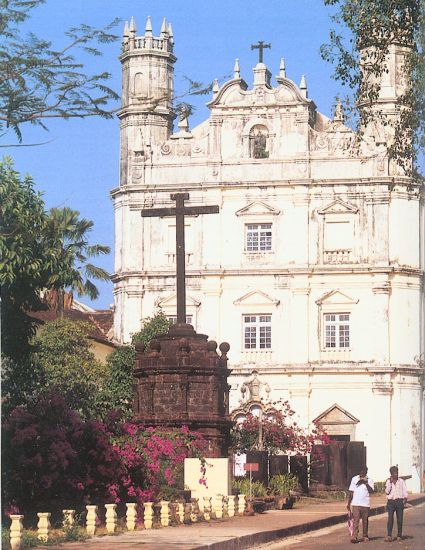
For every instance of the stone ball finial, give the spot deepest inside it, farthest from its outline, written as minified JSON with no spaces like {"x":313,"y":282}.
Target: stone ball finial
{"x":211,"y":346}
{"x":224,"y":347}
{"x":140,"y":346}
{"x":155,"y":345}
{"x":184,"y":346}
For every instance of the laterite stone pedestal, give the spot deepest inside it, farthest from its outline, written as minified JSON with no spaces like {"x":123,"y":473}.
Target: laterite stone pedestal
{"x":182,"y":380}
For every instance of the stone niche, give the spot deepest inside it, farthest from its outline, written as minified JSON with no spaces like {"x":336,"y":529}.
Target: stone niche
{"x":182,"y":380}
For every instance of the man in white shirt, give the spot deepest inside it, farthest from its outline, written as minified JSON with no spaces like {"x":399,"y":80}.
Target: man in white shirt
{"x":359,"y":503}
{"x":396,"y":491}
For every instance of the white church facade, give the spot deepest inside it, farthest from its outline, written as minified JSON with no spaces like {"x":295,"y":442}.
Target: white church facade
{"x":313,"y":270}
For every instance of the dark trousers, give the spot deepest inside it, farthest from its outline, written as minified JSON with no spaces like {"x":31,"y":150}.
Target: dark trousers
{"x":397,"y":506}
{"x":363,"y":513}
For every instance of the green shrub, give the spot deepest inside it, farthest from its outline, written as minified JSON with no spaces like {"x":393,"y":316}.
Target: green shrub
{"x":281,"y":484}
{"x":243,"y":486}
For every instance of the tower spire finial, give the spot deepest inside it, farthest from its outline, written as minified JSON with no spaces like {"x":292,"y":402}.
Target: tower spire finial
{"x":303,"y":86}
{"x":170,"y":32}
{"x":148,"y":28}
{"x":236,"y":69}
{"x":216,"y":87}
{"x":282,"y":68}
{"x":132,"y":29}
{"x":164,"y":28}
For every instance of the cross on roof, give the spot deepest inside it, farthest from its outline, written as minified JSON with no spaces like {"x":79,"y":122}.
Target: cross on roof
{"x":260,"y":47}
{"x":179,"y":211}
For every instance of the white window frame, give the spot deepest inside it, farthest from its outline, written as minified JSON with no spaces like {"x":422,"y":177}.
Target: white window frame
{"x":259,"y":327}
{"x":173,"y":319}
{"x":337,"y":330}
{"x":264,"y":234}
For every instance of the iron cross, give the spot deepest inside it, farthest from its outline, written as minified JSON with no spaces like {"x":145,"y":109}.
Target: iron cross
{"x":260,"y":47}
{"x":179,"y":211}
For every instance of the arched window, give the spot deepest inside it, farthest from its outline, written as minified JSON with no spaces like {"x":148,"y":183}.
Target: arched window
{"x":258,"y":142}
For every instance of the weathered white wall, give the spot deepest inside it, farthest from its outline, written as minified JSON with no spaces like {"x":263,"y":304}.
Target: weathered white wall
{"x":316,"y":173}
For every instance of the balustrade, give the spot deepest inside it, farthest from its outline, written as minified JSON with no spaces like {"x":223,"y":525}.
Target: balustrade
{"x":218,"y":507}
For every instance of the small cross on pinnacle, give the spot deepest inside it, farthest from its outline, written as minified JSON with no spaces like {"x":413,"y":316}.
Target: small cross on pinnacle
{"x":260,"y":47}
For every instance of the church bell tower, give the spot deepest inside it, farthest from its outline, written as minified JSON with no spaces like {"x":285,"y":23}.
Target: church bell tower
{"x":147,"y":92}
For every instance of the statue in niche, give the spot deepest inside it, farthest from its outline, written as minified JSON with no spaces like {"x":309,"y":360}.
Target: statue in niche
{"x":258,"y":141}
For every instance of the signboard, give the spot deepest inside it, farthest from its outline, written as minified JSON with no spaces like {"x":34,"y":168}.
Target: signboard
{"x":251,"y":467}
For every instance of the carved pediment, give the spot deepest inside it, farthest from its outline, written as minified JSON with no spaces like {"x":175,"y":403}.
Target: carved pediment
{"x":257,"y":208}
{"x":289,"y":92}
{"x":338,"y":206}
{"x":171,"y":302}
{"x":256,"y":298}
{"x":230,"y":92}
{"x":336,"y":297}
{"x":336,"y":415}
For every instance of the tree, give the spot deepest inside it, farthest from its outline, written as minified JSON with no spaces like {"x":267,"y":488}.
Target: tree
{"x":274,"y":432}
{"x":52,"y":459}
{"x":65,"y":362}
{"x":28,"y":257}
{"x":117,"y":391}
{"x":373,"y":25}
{"x":40,"y":82}
{"x":151,"y":328}
{"x":65,"y":225}
{"x":38,"y":252}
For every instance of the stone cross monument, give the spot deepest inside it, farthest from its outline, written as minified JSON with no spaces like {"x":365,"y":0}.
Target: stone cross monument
{"x":181,"y":379}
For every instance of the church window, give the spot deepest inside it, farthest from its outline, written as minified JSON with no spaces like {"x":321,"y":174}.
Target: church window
{"x":258,"y":237}
{"x":258,"y":142}
{"x":173,"y":319}
{"x":338,"y":241}
{"x":257,"y":331}
{"x":337,"y":330}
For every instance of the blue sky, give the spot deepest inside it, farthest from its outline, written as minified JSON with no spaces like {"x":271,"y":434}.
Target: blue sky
{"x":79,"y":165}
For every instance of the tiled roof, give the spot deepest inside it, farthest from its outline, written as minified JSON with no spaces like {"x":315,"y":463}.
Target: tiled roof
{"x":102,"y":320}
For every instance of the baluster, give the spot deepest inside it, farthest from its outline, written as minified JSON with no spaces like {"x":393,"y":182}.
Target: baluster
{"x":225,"y":507}
{"x":43,"y":526}
{"x":68,"y":518}
{"x":193,"y":512}
{"x":231,"y":505}
{"x":165,"y":513}
{"x":148,"y":515}
{"x":218,"y":506}
{"x":180,"y":511}
{"x":131,"y":516}
{"x":111,"y":518}
{"x":91,"y":519}
{"x":187,"y":511}
{"x":16,"y":531}
{"x":241,"y":504}
{"x":207,"y":508}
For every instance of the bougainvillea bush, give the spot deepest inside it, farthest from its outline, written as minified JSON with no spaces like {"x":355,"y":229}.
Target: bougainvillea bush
{"x":276,"y":432}
{"x":154,"y":459}
{"x":53,"y":459}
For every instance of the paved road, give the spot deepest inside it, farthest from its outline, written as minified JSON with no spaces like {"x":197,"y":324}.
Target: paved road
{"x":337,"y":538}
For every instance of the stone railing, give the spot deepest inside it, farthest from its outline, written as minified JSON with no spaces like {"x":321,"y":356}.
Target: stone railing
{"x":337,"y":256}
{"x":257,"y":356}
{"x":147,"y":516}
